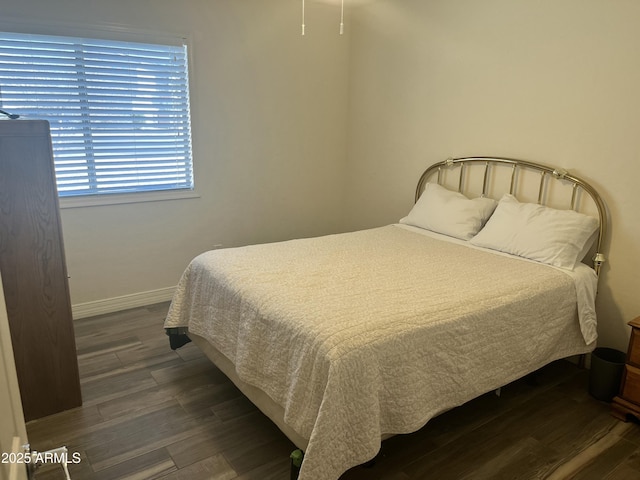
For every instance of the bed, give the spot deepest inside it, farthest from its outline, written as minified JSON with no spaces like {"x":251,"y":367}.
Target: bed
{"x":346,"y":339}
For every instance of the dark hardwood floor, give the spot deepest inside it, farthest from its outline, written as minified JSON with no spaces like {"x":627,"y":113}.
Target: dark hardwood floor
{"x":150,"y":412}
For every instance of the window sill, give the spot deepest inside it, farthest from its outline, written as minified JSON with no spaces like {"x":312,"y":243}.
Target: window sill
{"x":120,"y":198}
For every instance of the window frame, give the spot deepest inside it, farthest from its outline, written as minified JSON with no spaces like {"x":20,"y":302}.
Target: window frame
{"x":120,"y":33}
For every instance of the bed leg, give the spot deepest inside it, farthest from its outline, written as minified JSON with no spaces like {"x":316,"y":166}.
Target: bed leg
{"x":296,"y":462}
{"x":582,"y":360}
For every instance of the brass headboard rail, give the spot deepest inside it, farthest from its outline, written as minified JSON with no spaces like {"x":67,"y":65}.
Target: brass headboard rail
{"x":546,"y":172}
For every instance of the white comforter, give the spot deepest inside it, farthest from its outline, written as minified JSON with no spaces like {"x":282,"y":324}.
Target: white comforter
{"x":375,"y":332}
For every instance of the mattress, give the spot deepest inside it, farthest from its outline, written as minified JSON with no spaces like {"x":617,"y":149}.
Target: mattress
{"x":359,"y":335}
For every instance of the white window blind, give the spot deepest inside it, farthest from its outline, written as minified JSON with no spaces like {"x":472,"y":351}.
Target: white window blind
{"x":119,"y":111}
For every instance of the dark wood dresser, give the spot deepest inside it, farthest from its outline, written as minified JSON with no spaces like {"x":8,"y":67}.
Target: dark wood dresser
{"x":628,"y":401}
{"x":34,"y":272}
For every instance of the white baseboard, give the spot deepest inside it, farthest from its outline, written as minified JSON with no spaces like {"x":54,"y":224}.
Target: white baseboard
{"x":116,"y":304}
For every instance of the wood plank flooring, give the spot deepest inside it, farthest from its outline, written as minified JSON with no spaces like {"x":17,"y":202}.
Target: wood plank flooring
{"x":152,"y":413}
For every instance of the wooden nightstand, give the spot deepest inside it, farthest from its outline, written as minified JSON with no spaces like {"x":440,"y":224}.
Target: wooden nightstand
{"x":628,"y":401}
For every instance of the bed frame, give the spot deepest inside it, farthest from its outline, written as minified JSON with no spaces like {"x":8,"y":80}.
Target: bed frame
{"x":445,"y":172}
{"x":518,"y":169}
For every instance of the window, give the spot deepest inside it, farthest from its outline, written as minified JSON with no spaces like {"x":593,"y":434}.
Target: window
{"x":119,"y":111}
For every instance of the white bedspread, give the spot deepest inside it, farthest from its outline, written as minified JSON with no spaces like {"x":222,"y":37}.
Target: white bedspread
{"x":373,"y":332}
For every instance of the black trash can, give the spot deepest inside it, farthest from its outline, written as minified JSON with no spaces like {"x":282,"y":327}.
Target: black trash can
{"x":607,"y":365}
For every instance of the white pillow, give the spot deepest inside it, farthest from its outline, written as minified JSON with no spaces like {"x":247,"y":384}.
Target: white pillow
{"x":536,"y":232}
{"x":451,"y":213}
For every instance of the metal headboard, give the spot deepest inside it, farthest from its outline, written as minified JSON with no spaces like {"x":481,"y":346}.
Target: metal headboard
{"x":546,"y":173}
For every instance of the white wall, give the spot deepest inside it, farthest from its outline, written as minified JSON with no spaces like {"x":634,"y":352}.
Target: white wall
{"x":554,"y":81}
{"x":269,"y":140}
{"x":13,"y":433}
